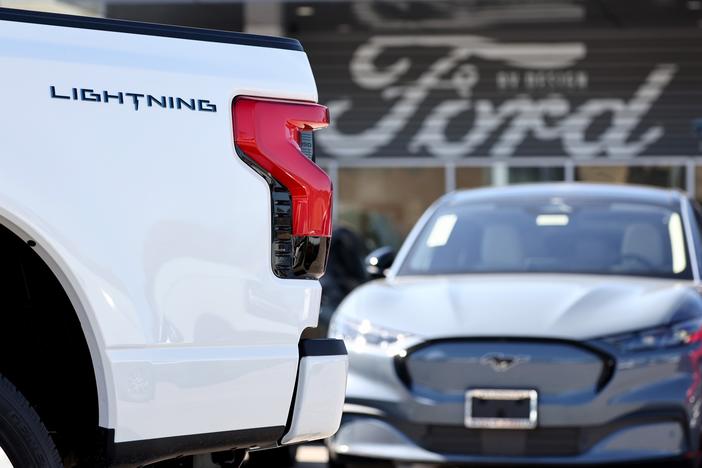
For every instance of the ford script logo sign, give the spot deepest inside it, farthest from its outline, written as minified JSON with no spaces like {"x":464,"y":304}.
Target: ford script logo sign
{"x":456,"y":96}
{"x":502,"y":362}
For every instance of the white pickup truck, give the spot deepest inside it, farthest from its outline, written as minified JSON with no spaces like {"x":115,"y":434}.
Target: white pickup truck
{"x":163,"y":229}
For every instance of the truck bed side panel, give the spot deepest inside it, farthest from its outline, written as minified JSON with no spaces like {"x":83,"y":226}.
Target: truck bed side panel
{"x":161,"y":230}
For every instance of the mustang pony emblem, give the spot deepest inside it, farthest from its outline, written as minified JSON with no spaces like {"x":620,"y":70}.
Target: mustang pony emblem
{"x":501,"y":362}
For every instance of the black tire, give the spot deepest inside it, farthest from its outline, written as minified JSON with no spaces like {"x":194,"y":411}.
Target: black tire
{"x":281,"y":457}
{"x":694,"y":463}
{"x":23,"y":437}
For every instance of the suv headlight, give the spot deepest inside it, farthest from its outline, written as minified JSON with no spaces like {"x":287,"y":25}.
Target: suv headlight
{"x":362,"y":336}
{"x":670,"y":336}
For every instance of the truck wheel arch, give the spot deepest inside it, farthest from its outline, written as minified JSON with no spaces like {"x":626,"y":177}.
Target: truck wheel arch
{"x":48,"y":253}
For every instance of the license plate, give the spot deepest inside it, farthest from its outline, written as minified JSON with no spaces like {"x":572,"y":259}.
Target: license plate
{"x":501,"y":409}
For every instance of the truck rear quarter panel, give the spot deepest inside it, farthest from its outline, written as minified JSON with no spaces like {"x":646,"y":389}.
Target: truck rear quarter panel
{"x":160,"y":232}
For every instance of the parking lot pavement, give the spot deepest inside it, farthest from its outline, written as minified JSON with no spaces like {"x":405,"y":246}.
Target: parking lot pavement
{"x":316,"y":456}
{"x":312,"y":456}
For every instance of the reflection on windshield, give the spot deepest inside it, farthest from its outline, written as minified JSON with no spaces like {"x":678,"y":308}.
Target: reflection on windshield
{"x":555,"y":236}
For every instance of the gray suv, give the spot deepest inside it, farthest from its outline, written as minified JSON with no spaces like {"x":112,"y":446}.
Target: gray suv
{"x":546,"y":324}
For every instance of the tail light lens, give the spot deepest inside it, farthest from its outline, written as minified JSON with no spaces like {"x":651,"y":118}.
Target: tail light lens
{"x":273,"y":137}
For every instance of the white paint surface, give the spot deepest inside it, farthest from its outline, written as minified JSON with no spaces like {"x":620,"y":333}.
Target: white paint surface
{"x":158,"y":231}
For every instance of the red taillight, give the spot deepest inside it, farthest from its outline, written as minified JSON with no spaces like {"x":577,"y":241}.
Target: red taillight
{"x":268,"y":132}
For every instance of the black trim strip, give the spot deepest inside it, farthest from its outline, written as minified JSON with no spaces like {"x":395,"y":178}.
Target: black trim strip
{"x":148,"y":29}
{"x":140,"y":452}
{"x":322,"y":347}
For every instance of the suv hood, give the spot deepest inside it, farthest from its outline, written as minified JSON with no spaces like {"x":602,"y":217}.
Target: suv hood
{"x":519,"y":305}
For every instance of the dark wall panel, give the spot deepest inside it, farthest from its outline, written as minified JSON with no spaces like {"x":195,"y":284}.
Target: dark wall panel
{"x":616,"y":79}
{"x":223,"y":16}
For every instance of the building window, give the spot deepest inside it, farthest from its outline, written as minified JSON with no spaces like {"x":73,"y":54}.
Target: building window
{"x":382,"y":204}
{"x":472,"y":177}
{"x":523,"y":175}
{"x":658,"y":176}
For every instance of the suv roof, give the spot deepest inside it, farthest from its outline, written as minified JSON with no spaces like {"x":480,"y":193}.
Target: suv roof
{"x":624,"y":193}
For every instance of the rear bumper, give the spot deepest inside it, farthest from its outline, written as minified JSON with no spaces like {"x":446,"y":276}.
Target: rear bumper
{"x":320,"y":391}
{"x":315,"y":413}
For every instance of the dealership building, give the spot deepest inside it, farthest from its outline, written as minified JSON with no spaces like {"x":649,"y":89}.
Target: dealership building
{"x":427,"y":97}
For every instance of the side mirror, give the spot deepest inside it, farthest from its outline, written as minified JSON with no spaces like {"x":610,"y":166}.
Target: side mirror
{"x":379,"y":261}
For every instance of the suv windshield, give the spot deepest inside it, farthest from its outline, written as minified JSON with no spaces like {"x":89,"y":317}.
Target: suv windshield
{"x":554,"y":235}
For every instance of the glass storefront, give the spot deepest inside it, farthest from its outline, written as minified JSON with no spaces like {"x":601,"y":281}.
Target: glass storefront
{"x":382,"y":203}
{"x":469,"y":98}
